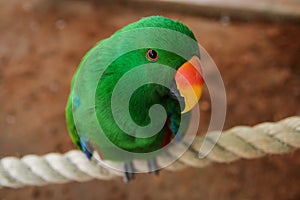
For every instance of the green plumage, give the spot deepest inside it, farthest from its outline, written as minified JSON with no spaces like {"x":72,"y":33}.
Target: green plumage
{"x":85,"y":134}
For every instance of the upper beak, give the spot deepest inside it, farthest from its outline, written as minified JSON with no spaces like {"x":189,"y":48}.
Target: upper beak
{"x":189,"y":82}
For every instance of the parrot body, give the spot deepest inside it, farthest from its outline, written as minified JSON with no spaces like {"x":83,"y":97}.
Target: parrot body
{"x":142,"y":99}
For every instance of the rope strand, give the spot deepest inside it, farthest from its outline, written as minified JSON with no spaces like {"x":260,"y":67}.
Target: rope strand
{"x":241,"y":142}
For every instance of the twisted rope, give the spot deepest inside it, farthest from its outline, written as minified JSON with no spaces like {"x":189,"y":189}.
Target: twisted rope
{"x":236,"y":143}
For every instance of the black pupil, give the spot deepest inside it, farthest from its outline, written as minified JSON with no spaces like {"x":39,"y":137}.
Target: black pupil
{"x":152,"y":54}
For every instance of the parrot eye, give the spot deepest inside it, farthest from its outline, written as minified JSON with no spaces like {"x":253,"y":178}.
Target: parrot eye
{"x":152,"y":55}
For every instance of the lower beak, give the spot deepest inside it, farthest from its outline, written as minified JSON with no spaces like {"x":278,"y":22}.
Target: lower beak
{"x":189,"y":82}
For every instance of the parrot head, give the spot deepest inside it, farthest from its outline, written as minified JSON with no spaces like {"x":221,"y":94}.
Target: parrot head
{"x":168,"y":43}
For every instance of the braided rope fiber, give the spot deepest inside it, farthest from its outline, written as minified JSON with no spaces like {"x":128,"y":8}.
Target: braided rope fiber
{"x":236,"y":143}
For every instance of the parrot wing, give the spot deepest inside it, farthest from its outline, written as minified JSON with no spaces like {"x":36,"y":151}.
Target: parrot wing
{"x":83,"y":145}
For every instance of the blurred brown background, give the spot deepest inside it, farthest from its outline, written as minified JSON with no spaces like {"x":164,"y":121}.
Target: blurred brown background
{"x":42,"y":42}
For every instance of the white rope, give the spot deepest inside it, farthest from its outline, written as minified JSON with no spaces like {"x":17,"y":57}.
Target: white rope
{"x":238,"y":142}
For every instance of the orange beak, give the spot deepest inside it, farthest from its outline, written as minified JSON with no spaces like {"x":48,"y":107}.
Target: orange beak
{"x":189,"y":82}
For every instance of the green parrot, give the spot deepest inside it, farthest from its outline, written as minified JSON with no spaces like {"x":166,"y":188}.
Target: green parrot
{"x":159,"y":55}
